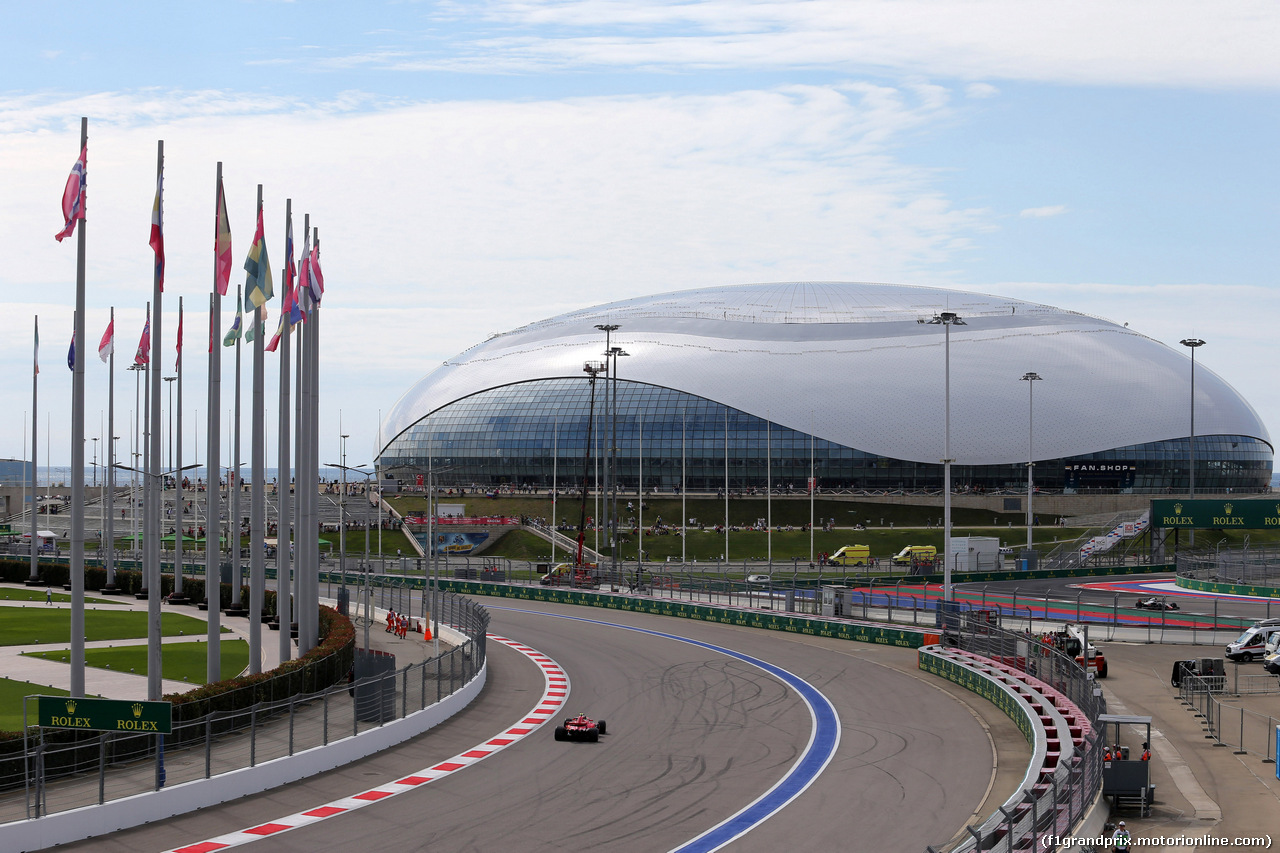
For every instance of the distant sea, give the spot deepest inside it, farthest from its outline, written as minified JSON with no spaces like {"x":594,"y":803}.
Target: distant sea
{"x":60,"y":475}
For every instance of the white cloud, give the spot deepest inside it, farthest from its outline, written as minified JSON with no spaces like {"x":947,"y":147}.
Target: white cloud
{"x":1143,"y":42}
{"x":1043,"y":212}
{"x":443,"y":222}
{"x":981,"y":90}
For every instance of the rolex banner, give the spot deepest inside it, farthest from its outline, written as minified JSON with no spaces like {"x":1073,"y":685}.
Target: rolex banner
{"x":1254,"y":514}
{"x":108,"y":715}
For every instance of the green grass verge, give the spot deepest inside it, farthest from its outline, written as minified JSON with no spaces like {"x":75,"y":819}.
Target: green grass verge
{"x":31,"y":593}
{"x":11,"y":694}
{"x":23,"y":626}
{"x":180,"y":661}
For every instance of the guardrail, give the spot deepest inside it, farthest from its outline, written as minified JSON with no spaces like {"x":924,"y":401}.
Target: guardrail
{"x":61,"y":774}
{"x":1058,"y":803}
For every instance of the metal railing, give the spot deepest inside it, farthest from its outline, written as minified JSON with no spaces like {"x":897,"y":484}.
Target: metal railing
{"x":1058,"y":803}
{"x":1257,"y":565}
{"x":62,"y":772}
{"x":1246,"y":732}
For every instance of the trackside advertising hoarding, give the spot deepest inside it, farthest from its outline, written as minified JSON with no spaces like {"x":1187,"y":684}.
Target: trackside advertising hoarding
{"x":106,"y":715}
{"x":1253,"y":514}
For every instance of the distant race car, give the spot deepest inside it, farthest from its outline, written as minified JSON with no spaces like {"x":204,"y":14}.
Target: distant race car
{"x":580,"y":727}
{"x":1154,"y":603}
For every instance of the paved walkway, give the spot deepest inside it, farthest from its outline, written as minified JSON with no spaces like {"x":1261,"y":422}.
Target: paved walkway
{"x":108,"y":683}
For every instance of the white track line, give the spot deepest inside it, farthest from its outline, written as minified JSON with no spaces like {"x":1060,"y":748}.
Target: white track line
{"x":555,"y":690}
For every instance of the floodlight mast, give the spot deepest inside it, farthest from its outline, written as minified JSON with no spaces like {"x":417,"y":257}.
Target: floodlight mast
{"x":946,"y":319}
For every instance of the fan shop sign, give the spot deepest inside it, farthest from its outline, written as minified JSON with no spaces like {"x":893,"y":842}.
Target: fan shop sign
{"x":1218,"y":513}
{"x":107,"y":715}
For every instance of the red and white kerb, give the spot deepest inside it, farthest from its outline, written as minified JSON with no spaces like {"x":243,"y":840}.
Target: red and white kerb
{"x":556,"y":689}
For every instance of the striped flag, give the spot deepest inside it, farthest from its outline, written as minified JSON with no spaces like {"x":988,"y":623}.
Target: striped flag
{"x":288,"y":258}
{"x":177,"y":362}
{"x":315,"y":282}
{"x":157,"y":230}
{"x":275,"y":339}
{"x":35,"y":357}
{"x":258,"y":287}
{"x":108,"y":344}
{"x":233,"y":334}
{"x":143,"y":355}
{"x":222,"y":245}
{"x":73,"y":196}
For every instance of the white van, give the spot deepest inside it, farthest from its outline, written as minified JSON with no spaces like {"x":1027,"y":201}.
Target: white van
{"x":1252,"y":643}
{"x":1271,"y":655}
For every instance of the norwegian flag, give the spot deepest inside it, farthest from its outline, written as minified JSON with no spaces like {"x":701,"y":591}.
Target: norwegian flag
{"x":73,"y":196}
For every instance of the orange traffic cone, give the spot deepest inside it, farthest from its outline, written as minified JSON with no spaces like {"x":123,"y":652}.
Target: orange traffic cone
{"x":426,"y":631}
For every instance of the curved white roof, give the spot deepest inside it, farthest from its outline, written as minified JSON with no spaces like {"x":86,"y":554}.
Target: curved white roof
{"x":853,"y":364}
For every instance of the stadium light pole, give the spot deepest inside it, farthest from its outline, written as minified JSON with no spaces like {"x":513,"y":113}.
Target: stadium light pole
{"x":610,"y":469}
{"x":1031,"y":378}
{"x":1192,"y":344}
{"x":946,"y":319}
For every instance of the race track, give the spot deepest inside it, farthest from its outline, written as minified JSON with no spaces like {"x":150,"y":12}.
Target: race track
{"x":694,"y":736}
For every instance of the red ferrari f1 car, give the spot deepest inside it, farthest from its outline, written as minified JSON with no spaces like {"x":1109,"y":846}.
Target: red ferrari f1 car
{"x":580,"y":727}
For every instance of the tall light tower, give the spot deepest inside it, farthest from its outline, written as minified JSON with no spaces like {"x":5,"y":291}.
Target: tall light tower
{"x":1192,"y":344}
{"x":1031,"y":379}
{"x":611,"y":458}
{"x":946,"y":319}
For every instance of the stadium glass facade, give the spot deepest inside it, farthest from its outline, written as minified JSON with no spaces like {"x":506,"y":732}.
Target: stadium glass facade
{"x":530,"y":434}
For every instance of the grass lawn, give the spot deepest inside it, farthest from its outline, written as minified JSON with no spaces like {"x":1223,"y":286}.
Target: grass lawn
{"x":11,"y":693}
{"x":31,"y":593}
{"x":180,"y":661}
{"x":31,"y":625}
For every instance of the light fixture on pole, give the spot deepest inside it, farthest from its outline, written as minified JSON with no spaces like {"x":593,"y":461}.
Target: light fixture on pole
{"x":946,"y":319}
{"x":611,"y":458}
{"x":1031,"y":378}
{"x":1192,"y":344}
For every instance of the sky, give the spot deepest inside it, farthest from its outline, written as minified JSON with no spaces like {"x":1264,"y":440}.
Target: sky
{"x":475,"y":166}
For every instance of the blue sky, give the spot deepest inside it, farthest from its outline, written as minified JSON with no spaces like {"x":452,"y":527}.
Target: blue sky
{"x":487,"y":164}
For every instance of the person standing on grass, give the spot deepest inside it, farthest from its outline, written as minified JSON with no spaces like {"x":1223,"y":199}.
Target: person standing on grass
{"x":48,"y":596}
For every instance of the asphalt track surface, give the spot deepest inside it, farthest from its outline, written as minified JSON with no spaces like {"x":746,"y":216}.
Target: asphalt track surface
{"x":694,"y":737}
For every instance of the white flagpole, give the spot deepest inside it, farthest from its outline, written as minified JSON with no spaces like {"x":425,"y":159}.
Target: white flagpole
{"x":311,"y":603}
{"x":155,"y":587}
{"x":768,"y":488}
{"x":302,"y":552}
{"x":233,"y":481}
{"x":77,"y":461}
{"x":178,"y":508}
{"x":284,"y":609}
{"x":35,"y":516}
{"x":257,"y":504}
{"x":305,"y":493}
{"x":111,"y":459}
{"x":213,"y":503}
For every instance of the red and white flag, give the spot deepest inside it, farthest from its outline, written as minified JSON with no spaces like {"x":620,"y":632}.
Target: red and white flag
{"x":108,"y":344}
{"x":177,"y":362}
{"x":143,"y":355}
{"x":73,"y":196}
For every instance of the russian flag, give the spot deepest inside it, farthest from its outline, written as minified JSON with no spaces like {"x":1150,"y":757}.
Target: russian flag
{"x":143,"y":355}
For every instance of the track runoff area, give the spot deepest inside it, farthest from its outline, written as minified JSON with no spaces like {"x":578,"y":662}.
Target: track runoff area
{"x":824,"y":739}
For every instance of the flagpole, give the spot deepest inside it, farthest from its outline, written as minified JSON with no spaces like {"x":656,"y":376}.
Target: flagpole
{"x":144,"y":565}
{"x":233,"y":483}
{"x":213,"y":436}
{"x":177,"y":596}
{"x":111,"y":460}
{"x":34,"y":577}
{"x":303,"y":556}
{"x":312,"y":603}
{"x":284,"y":607}
{"x":77,"y":461}
{"x":156,"y":585}
{"x":213,"y":506}
{"x":257,"y":506}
